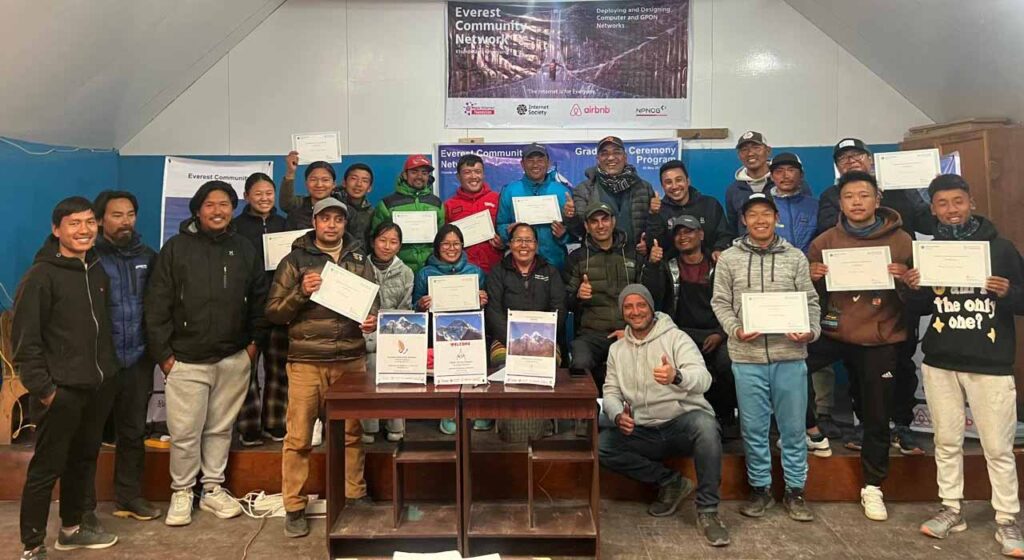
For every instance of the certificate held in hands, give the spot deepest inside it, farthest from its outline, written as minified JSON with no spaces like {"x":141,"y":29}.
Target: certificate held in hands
{"x":775,"y":312}
{"x":276,"y":246}
{"x":536,"y":210}
{"x":418,"y":226}
{"x":317,"y":146}
{"x":912,"y":169}
{"x":953,"y":264}
{"x":854,"y":270}
{"x":453,"y":292}
{"x":345,"y":293}
{"x":476,"y":228}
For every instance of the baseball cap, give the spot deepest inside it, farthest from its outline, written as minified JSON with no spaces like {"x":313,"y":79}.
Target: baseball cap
{"x":534,"y":149}
{"x":786,"y":158}
{"x":684,"y":221}
{"x":417,"y":160}
{"x":751,"y":136}
{"x":610,"y":140}
{"x":330,"y":202}
{"x":849,"y":144}
{"x":758,"y":198}
{"x":598,"y":206}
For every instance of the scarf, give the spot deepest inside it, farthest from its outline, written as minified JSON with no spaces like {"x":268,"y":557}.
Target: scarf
{"x":616,"y":184}
{"x":958,"y":232}
{"x":864,"y":232}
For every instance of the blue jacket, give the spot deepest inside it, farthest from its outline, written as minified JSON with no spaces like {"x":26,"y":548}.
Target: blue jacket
{"x":128,"y":269}
{"x":737,"y":193}
{"x":798,"y":219}
{"x":551,"y":248}
{"x":435,"y":267}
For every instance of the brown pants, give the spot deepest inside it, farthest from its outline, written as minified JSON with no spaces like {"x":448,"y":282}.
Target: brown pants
{"x":307,"y":386}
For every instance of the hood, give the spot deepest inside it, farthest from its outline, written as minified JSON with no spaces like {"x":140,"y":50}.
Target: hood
{"x":449,"y":268}
{"x":190,"y":227}
{"x":618,"y":241}
{"x":553,"y":176}
{"x":50,"y":253}
{"x":778,"y":245}
{"x":134,"y":247}
{"x":485,"y":190}
{"x":986,"y":231}
{"x":891,"y":221}
{"x":741,"y":175}
{"x":662,"y":324}
{"x":307,"y":241}
{"x":405,"y":188}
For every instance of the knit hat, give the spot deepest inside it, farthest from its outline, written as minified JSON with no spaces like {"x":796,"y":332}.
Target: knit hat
{"x":204,"y":191}
{"x":638,"y":289}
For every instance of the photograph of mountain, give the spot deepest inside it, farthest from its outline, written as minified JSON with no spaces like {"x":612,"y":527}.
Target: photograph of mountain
{"x":403,"y":323}
{"x":531,"y":339}
{"x":458,"y":326}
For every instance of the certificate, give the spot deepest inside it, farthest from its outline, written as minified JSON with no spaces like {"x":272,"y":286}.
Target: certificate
{"x":537,"y":210}
{"x":913,"y":169}
{"x":317,"y":146}
{"x":476,"y":228}
{"x":276,"y":246}
{"x":345,"y":293}
{"x":853,"y":270}
{"x":460,"y":348}
{"x":531,"y":347}
{"x":953,"y":264}
{"x":418,"y":226}
{"x":453,"y":292}
{"x":775,"y":312}
{"x":401,"y":347}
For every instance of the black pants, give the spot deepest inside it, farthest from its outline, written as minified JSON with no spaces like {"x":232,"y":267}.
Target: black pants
{"x":872,"y":382}
{"x":590,"y":352}
{"x":131,"y":404}
{"x":68,"y":435}
{"x":722,"y":394}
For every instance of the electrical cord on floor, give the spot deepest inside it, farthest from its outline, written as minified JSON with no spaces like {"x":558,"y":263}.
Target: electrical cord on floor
{"x":259,"y":505}
{"x":252,"y":539}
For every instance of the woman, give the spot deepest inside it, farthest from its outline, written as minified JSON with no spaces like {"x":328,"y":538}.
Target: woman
{"x":320,"y":184}
{"x":395,"y":279}
{"x":448,"y":258}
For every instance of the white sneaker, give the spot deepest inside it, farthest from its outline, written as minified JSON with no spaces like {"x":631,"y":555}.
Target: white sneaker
{"x":179,"y":513}
{"x":874,"y":507}
{"x":318,"y":433}
{"x":819,"y":448}
{"x":219,"y":502}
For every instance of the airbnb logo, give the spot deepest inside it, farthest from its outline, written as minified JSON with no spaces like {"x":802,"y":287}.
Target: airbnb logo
{"x":575,"y":111}
{"x":578,"y":111}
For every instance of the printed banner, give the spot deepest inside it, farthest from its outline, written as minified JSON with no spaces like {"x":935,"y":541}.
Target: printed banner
{"x":622,"y":64}
{"x":183,"y":177}
{"x":401,"y":347}
{"x":460,"y":348}
{"x":569,"y":159}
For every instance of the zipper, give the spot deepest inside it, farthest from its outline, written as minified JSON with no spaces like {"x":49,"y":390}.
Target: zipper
{"x":92,"y":311}
{"x":226,"y":276}
{"x":764,"y":336}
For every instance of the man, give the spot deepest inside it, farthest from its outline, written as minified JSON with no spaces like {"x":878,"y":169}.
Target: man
{"x":205,"y":324}
{"x":798,"y":210}
{"x":127,"y":262}
{"x":614,"y":182}
{"x":683,"y":198}
{"x":357,"y":182}
{"x":685,"y":283}
{"x":865,"y":328}
{"x":753,"y":176}
{"x":474,"y":195}
{"x":770,"y":373}
{"x":323,"y":346}
{"x":537,"y":181}
{"x":965,"y":356}
{"x":320,"y":184}
{"x":413,"y":193}
{"x":62,"y":344}
{"x":657,"y":404}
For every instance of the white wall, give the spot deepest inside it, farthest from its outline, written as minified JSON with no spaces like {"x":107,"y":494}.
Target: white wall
{"x":375,"y":70}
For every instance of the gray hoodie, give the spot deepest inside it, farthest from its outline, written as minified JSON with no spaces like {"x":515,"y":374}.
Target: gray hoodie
{"x":745,"y":267}
{"x":630,"y":378}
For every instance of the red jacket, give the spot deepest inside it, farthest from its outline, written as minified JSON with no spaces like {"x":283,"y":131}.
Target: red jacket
{"x":463,"y":204}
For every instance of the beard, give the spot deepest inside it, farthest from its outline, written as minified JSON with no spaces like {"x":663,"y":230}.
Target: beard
{"x":122,"y":237}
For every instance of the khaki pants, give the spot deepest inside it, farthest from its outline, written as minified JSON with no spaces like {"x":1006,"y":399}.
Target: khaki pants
{"x":307,"y":386}
{"x":993,"y":400}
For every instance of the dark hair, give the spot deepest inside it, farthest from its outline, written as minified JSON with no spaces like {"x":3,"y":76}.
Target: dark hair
{"x":443,"y":232}
{"x":672,"y":164}
{"x":74,"y":205}
{"x":855,"y":176}
{"x":321,"y":165}
{"x":357,"y":167}
{"x":385,"y":227}
{"x":468,"y":159}
{"x":256,"y":178}
{"x":948,"y":182}
{"x":99,"y":205}
{"x":517,"y":225}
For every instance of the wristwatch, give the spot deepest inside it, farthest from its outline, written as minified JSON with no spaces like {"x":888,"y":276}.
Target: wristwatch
{"x":678,"y":379}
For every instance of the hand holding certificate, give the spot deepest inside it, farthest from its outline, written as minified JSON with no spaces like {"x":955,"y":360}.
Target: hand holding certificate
{"x":913,"y":169}
{"x":319,"y":146}
{"x":852,"y":270}
{"x":276,"y":246}
{"x":775,"y":313}
{"x":536,"y":210}
{"x":417,"y":226}
{"x":476,"y":228}
{"x":455,"y":292}
{"x":345,"y":293}
{"x":953,"y":264}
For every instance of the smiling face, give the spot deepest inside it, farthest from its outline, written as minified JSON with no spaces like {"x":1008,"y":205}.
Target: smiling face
{"x":687,"y":241}
{"x":676,"y":184}
{"x":760,"y":221}
{"x":601,"y":226}
{"x":471,"y":177}
{"x":319,"y":183}
{"x":386,"y":245}
{"x":330,"y":226}
{"x":451,"y":248}
{"x":754,"y":156}
{"x":358,"y":184}
{"x":523,"y":245}
{"x":417,"y":177}
{"x":261,"y":197}
{"x":76,"y":233}
{"x":858,"y":200}
{"x":535,"y":167}
{"x":119,"y":221}
{"x":611,"y":159}
{"x":853,"y":160}
{"x":787,"y":178}
{"x":637,"y":313}
{"x":952,"y":207}
{"x":215,"y":212}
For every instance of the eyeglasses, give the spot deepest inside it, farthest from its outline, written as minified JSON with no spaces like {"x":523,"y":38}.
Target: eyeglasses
{"x":843,"y":158}
{"x":451,"y":245}
{"x":524,"y":241}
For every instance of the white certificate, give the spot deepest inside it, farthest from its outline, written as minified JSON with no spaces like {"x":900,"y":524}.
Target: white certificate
{"x":276,"y":246}
{"x":345,"y":293}
{"x":953,"y":264}
{"x":913,"y":169}
{"x":476,"y":228}
{"x":453,"y":292}
{"x":853,"y":270}
{"x":418,"y":226}
{"x":537,"y":210}
{"x":317,"y":146}
{"x":775,"y":312}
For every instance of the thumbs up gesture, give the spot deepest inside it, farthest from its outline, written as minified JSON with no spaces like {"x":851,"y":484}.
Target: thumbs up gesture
{"x":666,"y":372}
{"x":569,"y":209}
{"x":641,"y":246}
{"x":655,"y":205}
{"x":586,"y":291}
{"x":656,"y":253}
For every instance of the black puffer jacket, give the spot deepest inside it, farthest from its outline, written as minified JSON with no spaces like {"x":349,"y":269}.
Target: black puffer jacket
{"x":252,"y":227}
{"x":541,"y":290}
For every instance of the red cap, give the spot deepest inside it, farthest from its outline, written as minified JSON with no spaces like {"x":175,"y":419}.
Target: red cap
{"x":417,"y":160}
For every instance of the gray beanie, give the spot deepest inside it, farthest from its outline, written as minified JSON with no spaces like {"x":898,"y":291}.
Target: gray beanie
{"x":638,"y":289}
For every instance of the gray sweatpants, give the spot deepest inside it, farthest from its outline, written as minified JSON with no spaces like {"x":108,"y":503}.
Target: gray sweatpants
{"x":203,"y":401}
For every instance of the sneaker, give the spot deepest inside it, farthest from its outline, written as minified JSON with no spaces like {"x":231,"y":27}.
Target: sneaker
{"x":250,"y":439}
{"x":396,"y":436}
{"x":364,"y":501}
{"x":179,"y":513}
{"x":482,"y":425}
{"x":904,"y":439}
{"x":818,"y":445}
{"x":828,"y":426}
{"x":295,"y":524}
{"x":37,"y":553}
{"x":714,"y":530}
{"x":84,"y":537}
{"x":874,"y":506}
{"x":448,"y":426}
{"x":90,"y":521}
{"x":796,"y":505}
{"x":855,"y":441}
{"x":947,"y":521}
{"x":670,"y":495}
{"x":318,"y":433}
{"x":1008,"y":535}
{"x":760,"y":501}
{"x":367,"y":439}
{"x":582,"y":428}
{"x":275,"y":434}
{"x":219,"y":502}
{"x":138,"y":508}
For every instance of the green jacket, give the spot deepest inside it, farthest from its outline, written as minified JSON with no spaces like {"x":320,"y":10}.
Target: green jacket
{"x":405,"y":198}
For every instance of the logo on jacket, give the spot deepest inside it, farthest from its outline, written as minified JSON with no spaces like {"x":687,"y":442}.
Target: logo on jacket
{"x":231,"y":253}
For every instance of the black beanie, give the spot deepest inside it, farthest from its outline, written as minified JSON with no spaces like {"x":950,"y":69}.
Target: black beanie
{"x":205,"y":190}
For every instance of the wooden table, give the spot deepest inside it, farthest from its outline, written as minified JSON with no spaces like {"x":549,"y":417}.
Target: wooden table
{"x":388,"y":526}
{"x":525,"y":526}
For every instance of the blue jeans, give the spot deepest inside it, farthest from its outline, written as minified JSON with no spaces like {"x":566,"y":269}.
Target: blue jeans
{"x":762,"y":389}
{"x":640,"y":454}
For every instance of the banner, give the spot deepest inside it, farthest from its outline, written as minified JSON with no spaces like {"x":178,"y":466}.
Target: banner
{"x":570,"y":159}
{"x":183,"y":177}
{"x":622,"y":64}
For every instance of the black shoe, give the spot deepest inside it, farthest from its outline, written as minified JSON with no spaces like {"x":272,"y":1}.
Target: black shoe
{"x":137,"y":508}
{"x":37,"y":553}
{"x":904,"y":439}
{"x":796,"y":506}
{"x":670,"y":495}
{"x":760,"y":501}
{"x":855,"y":440}
{"x":829,"y":427}
{"x":276,"y":434}
{"x":730,"y":428}
{"x":250,"y":439}
{"x":365,"y":501}
{"x":91,"y":522}
{"x":295,"y":524}
{"x":84,"y":537}
{"x":714,"y":530}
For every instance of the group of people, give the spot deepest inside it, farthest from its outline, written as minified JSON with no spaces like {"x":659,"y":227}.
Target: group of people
{"x":655,"y":291}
